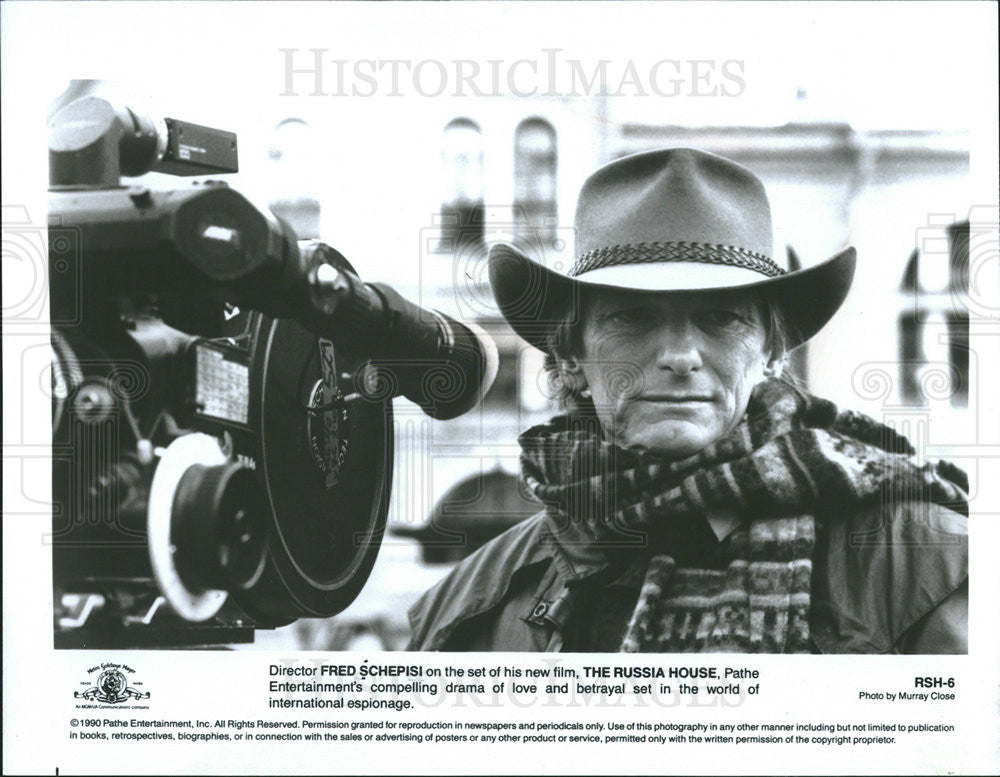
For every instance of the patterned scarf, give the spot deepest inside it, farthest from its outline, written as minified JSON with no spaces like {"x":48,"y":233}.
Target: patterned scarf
{"x":793,"y":456}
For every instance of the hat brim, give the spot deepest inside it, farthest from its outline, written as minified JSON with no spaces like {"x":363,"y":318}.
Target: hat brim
{"x":534,"y":298}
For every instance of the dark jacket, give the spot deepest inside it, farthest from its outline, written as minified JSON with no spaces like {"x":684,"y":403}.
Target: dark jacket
{"x":896,"y":584}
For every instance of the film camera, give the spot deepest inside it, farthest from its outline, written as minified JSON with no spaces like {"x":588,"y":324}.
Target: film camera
{"x":222,"y":419}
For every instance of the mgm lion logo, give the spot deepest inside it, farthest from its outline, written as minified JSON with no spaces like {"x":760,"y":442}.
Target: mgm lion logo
{"x":111,"y":688}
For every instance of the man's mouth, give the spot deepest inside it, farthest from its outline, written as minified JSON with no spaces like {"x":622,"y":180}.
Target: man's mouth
{"x":679,"y":399}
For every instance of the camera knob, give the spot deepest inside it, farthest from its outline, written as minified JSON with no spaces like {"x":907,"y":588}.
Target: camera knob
{"x":218,"y":527}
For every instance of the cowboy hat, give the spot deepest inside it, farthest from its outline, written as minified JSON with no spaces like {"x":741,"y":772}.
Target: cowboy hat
{"x":674,"y":220}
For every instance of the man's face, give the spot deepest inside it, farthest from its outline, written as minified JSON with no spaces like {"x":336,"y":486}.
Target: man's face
{"x":671,"y":373}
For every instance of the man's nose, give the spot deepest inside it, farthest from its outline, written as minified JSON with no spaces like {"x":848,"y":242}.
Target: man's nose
{"x":679,"y":350}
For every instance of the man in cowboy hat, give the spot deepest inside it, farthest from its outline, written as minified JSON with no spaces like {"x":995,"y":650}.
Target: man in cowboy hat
{"x":693,"y":499}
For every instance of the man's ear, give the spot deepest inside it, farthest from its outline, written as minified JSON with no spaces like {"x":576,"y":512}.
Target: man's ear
{"x":568,"y":364}
{"x":572,"y":374}
{"x":774,"y":366}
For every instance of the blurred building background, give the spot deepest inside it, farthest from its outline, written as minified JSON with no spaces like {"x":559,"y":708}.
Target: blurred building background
{"x":511,"y":170}
{"x":414,"y":196}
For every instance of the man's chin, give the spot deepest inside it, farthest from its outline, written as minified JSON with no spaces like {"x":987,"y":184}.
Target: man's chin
{"x":669,"y":439}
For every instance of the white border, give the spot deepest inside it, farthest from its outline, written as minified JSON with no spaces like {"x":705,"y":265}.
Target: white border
{"x":228,"y":50}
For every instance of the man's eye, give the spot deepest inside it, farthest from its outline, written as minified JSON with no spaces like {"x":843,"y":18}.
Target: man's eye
{"x":720,"y":317}
{"x":630,"y":316}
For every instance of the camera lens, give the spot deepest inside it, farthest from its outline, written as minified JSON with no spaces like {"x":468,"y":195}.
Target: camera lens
{"x":218,"y":528}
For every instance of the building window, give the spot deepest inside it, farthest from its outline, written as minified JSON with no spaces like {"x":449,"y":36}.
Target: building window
{"x":462,"y":209}
{"x":294,"y":186}
{"x":934,"y":326}
{"x":502,"y":396}
{"x":535,"y":159}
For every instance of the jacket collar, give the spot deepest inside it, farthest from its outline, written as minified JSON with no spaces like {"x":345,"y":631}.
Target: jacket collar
{"x":575,"y":559}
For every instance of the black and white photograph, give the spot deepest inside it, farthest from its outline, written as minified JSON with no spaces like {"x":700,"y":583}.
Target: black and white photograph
{"x":518,"y":379}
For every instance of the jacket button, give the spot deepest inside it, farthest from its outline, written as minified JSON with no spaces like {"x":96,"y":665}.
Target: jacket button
{"x":540,"y":609}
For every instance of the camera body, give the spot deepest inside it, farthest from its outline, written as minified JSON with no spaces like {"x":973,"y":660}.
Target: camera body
{"x":215,"y":467}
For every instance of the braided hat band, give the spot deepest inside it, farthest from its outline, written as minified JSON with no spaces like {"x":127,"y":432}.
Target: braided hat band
{"x":682,"y":251}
